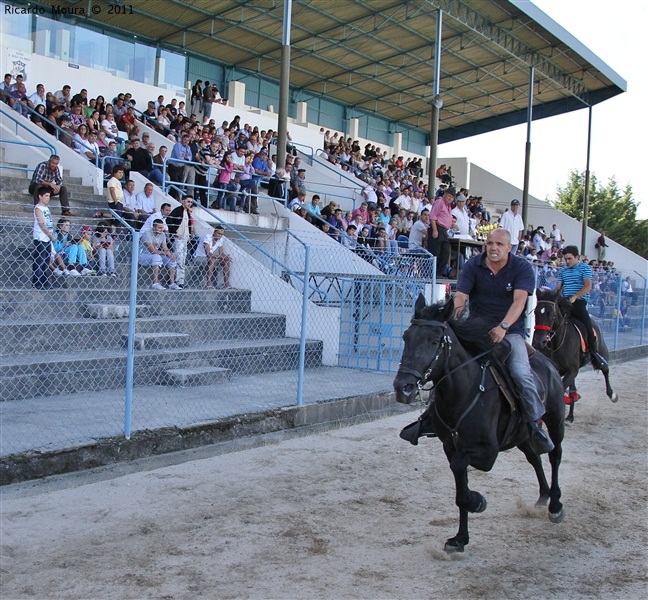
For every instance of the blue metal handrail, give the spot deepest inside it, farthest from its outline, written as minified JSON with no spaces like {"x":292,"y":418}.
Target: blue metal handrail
{"x":274,"y":260}
{"x":58,"y":130}
{"x":13,"y":118}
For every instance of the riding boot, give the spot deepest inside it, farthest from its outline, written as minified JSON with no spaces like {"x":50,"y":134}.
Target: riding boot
{"x":598,"y":362}
{"x":422,"y":427}
{"x":540,"y":440}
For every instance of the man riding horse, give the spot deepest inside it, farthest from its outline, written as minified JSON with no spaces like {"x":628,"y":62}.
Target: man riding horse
{"x":498,"y":285}
{"x":575,"y":283}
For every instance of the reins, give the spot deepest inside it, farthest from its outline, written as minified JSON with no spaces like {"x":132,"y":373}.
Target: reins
{"x":422,"y":379}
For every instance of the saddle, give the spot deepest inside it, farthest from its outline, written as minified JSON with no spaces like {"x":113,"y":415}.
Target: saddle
{"x":422,"y":427}
{"x":582,"y":332}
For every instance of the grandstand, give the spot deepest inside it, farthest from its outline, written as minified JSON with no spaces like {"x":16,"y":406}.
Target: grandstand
{"x":313,"y":318}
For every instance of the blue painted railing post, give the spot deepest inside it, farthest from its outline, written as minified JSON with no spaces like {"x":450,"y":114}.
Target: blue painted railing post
{"x":130,"y":353}
{"x":302,"y":341}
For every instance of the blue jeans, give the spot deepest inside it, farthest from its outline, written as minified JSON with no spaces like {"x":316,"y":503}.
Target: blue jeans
{"x":520,"y":369}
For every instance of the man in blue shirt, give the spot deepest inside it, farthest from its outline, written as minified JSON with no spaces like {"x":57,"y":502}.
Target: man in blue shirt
{"x":498,"y":284}
{"x":179,"y":171}
{"x":261,"y":170}
{"x":575,"y":283}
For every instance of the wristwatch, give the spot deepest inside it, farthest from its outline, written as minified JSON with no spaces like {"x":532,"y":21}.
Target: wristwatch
{"x":504,"y":325}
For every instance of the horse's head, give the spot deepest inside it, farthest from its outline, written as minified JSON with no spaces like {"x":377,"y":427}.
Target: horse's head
{"x":426,"y":343}
{"x":548,"y":316}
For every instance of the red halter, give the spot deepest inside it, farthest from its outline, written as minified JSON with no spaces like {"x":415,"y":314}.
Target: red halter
{"x":542,"y":328}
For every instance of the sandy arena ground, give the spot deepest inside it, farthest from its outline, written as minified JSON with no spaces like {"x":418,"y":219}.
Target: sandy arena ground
{"x":350,"y":513}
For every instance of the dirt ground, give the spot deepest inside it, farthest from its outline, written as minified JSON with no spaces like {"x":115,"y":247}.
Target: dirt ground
{"x":350,"y":513}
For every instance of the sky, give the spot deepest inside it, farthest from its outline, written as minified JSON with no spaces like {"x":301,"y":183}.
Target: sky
{"x":616,"y":32}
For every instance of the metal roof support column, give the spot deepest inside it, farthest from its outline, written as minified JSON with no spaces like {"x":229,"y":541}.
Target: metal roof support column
{"x":436,"y":106}
{"x":527,"y":153}
{"x":587,"y":186}
{"x":284,"y":86}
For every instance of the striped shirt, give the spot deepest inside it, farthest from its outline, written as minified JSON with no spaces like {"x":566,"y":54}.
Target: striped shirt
{"x":573,"y":279}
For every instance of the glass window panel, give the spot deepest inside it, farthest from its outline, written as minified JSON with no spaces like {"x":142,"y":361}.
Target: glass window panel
{"x":173,"y":74}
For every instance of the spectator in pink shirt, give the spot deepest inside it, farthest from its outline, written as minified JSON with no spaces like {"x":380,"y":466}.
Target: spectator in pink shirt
{"x":440,"y":223}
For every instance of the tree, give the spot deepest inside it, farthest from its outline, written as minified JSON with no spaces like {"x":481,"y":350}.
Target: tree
{"x":610,"y":210}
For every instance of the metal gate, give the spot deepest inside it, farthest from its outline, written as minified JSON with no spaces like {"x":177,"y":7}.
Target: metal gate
{"x":374,"y":314}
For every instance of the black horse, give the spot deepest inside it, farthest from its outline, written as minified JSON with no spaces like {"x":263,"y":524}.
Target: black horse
{"x":470,"y":414}
{"x":557,"y":337}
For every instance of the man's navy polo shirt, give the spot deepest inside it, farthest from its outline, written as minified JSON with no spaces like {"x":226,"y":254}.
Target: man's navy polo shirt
{"x":491,"y":295}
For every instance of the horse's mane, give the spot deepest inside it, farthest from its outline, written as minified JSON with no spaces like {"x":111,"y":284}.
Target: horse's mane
{"x":472,"y":332}
{"x":564,"y":304}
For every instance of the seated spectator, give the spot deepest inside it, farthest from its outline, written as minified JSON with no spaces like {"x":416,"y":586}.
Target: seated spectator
{"x":39,"y":118}
{"x":110,"y":127}
{"x":104,"y":245}
{"x":155,"y":254}
{"x":48,"y":174}
{"x":39,"y":98}
{"x":140,"y":159}
{"x":64,"y":97}
{"x":81,"y":98}
{"x":76,"y":117}
{"x":313,"y":206}
{"x":21,"y":101}
{"x":419,"y":233}
{"x":298,"y":202}
{"x":5,"y":89}
{"x":212,"y":252}
{"x":128,"y":122}
{"x":70,"y":251}
{"x":277,"y":185}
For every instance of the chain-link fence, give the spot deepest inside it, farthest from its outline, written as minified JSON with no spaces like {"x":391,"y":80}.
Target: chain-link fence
{"x":617,"y":302}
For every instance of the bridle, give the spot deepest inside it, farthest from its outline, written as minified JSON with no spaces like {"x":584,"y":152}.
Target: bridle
{"x":553,"y":331}
{"x":423,"y":379}
{"x":446,"y":341}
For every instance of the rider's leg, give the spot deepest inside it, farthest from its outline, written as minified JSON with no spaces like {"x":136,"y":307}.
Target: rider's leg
{"x":579,"y":312}
{"x":532,"y":406}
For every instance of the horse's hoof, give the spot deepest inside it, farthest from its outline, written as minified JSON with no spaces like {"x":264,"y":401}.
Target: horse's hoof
{"x":614,"y":397}
{"x":569,"y":419}
{"x":557,"y":517}
{"x":542,"y":502}
{"x":453,"y":545}
{"x":483,"y":505}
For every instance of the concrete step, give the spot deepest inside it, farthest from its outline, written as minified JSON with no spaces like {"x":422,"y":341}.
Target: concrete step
{"x":115,"y":311}
{"x":68,"y":303}
{"x":196,"y":376}
{"x":51,"y":374}
{"x":159,"y":340}
{"x":19,"y":338}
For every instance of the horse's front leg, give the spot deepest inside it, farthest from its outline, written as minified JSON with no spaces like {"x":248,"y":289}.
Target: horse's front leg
{"x":569,"y":383}
{"x":466,"y":500}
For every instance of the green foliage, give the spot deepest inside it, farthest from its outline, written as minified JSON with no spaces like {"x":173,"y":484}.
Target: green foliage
{"x":610,"y":209}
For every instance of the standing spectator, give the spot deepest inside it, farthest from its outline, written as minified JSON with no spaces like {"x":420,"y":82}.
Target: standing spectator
{"x":48,"y":174}
{"x":440,"y":222}
{"x":155,"y":253}
{"x":181,"y":230}
{"x":43,"y":234}
{"x":261,"y":170}
{"x":208,"y":98}
{"x":511,"y":220}
{"x":196,"y":97}
{"x":601,"y":246}
{"x":461,"y":214}
{"x":179,"y":171}
{"x":556,"y":236}
{"x":115,"y":192}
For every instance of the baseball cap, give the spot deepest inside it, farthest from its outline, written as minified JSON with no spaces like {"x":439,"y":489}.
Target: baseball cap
{"x":516,"y":202}
{"x":450,"y":191}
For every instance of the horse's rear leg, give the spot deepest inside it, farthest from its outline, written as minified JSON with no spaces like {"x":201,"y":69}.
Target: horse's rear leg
{"x":536,"y":462}
{"x":466,"y":500}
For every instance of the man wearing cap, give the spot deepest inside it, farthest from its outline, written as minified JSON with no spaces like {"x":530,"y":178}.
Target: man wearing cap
{"x":461,"y":214}
{"x":440,"y":222}
{"x":511,"y":220}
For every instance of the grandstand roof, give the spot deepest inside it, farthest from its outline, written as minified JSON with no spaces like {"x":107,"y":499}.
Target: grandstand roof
{"x":377,"y":55}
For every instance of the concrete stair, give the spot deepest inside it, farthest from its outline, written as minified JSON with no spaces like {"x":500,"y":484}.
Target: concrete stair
{"x":197,"y":376}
